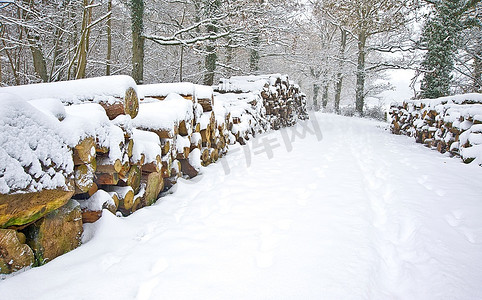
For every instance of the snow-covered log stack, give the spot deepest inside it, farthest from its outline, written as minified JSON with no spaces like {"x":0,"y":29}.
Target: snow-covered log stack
{"x":197,"y":136}
{"x":283,"y":101}
{"x":449,"y":124}
{"x":69,"y":151}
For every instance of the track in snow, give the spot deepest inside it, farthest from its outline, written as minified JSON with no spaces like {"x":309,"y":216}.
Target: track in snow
{"x":359,"y":214}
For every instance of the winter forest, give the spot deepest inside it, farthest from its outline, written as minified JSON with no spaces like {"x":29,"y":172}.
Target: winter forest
{"x":241,"y":149}
{"x":334,"y":49}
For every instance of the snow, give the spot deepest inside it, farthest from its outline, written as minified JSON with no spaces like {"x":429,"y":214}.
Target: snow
{"x":180,"y":88}
{"x":33,"y":154}
{"x":164,"y":89}
{"x":96,"y":201}
{"x":359,"y":214}
{"x":107,"y":89}
{"x":251,"y":83}
{"x":146,"y":143}
{"x":163,"y":115}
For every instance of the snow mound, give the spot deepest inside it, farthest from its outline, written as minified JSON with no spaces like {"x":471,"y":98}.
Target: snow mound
{"x":107,"y":89}
{"x":33,"y":152}
{"x":162,"y":115}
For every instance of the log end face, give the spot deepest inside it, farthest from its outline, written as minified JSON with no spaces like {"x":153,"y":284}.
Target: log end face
{"x":131,"y":103}
{"x":14,"y":253}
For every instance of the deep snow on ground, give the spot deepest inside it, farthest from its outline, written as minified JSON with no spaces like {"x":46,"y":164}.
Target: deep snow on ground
{"x":359,"y":214}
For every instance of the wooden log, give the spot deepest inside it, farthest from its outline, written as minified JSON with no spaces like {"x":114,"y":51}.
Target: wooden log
{"x":205,"y":156}
{"x":129,"y":105}
{"x":154,"y":184}
{"x":84,"y":178}
{"x":187,"y":168}
{"x":57,"y":233}
{"x":206,"y":103}
{"x":213,"y":155}
{"x":106,"y":178}
{"x":185,"y":127}
{"x":166,"y":146}
{"x":133,"y":178}
{"x":24,"y":208}
{"x":15,"y":255}
{"x":93,"y":189}
{"x":184,"y":154}
{"x":125,"y":196}
{"x":124,"y":170}
{"x":176,"y":169}
{"x":129,"y":147}
{"x":206,"y":136}
{"x":166,"y":166}
{"x":84,"y":152}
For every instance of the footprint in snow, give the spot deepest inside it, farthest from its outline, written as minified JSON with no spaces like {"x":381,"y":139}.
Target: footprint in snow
{"x":109,"y":260}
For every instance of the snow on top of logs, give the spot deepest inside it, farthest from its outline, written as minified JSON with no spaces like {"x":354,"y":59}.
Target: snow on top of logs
{"x":158,"y":115}
{"x":470,"y":98}
{"x":99,"y":89}
{"x":251,"y":83}
{"x":33,"y":153}
{"x":185,"y":89}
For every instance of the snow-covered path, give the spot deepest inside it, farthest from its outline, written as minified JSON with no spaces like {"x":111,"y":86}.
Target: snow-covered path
{"x":361,"y":214}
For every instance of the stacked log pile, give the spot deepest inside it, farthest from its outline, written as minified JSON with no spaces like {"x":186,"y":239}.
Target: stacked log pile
{"x":74,"y":150}
{"x":283,"y":102}
{"x":449,"y":124}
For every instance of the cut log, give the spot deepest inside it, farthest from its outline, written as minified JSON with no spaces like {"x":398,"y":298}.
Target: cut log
{"x":92,"y":207}
{"x":166,"y":146}
{"x":105,"y":165}
{"x":129,"y":147}
{"x":133,"y":178}
{"x":93,"y":189}
{"x":154,"y":184}
{"x":126,"y":166}
{"x":187,"y":169}
{"x":166,"y":167}
{"x":126,"y":197}
{"x":106,"y":178}
{"x":85,"y":151}
{"x":24,"y":208}
{"x":206,"y":103}
{"x":185,"y":127}
{"x":152,"y":167}
{"x":84,"y":178}
{"x":130,"y":105}
{"x":14,"y":254}
{"x":57,"y":233}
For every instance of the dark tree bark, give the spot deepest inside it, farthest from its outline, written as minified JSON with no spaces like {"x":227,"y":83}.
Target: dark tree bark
{"x":137,"y":16}
{"x":109,"y":39}
{"x":360,"y":74}
{"x":339,"y":75}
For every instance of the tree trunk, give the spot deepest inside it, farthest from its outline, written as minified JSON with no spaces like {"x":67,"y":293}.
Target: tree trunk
{"x":360,"y":74}
{"x":109,"y":38}
{"x":254,"y":55}
{"x":210,"y":64}
{"x":33,"y":40}
{"x":316,"y":90}
{"x":339,"y":75}
{"x":84,"y":40}
{"x":477,"y":84}
{"x":210,"y":8}
{"x":137,"y":15}
{"x":324,"y":97}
